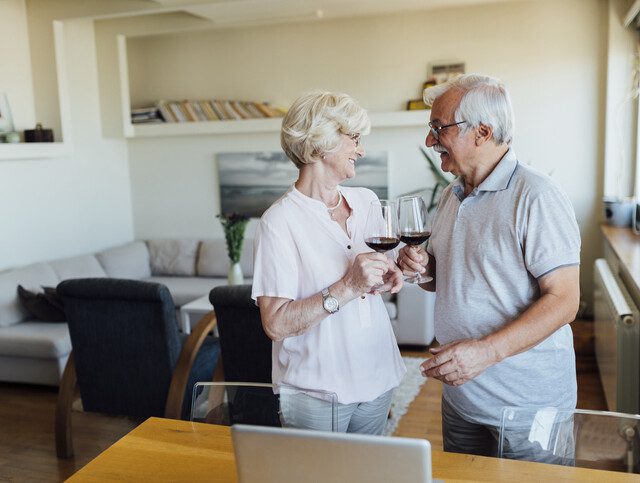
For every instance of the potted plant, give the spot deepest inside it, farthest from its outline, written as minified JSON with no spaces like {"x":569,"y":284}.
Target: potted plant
{"x":234,"y":226}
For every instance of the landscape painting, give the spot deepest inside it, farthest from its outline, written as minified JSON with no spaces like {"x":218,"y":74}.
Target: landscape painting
{"x":251,"y":182}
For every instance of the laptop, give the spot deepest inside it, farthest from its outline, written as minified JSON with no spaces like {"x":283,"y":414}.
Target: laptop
{"x":286,"y":455}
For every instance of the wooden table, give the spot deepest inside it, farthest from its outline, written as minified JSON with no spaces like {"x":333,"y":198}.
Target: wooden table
{"x":170,"y":450}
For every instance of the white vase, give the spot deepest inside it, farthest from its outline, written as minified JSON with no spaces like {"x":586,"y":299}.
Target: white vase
{"x":234,"y":276}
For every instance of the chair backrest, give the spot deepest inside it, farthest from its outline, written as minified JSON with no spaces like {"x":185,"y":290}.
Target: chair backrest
{"x":125,"y":343}
{"x":571,"y":437}
{"x":229,"y":403}
{"x":244,"y":346}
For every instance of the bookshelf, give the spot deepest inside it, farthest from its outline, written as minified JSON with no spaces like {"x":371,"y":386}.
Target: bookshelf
{"x":15,"y":151}
{"x":247,"y":126}
{"x":238,"y":126}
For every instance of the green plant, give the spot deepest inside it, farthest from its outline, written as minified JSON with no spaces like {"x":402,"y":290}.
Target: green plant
{"x":234,"y":226}
{"x":442,"y":181}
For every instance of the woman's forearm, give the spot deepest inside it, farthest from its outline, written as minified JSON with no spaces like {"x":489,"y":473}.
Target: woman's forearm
{"x":283,"y":318}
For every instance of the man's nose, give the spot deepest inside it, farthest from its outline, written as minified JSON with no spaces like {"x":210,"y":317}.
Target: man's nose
{"x":360,"y":151}
{"x":431,"y":140}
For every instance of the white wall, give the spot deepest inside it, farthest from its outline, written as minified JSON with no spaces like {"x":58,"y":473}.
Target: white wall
{"x":551,"y":55}
{"x":15,"y":68}
{"x":63,"y":206}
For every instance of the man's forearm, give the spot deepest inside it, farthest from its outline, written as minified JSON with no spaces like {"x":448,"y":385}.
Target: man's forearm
{"x":538,"y":322}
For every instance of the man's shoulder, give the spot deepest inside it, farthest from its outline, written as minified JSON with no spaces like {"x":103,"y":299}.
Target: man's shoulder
{"x":532,"y":182}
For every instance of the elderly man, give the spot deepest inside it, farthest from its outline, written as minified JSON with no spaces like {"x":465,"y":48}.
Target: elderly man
{"x":504,"y":254}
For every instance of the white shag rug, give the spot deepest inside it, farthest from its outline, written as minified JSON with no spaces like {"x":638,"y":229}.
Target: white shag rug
{"x":405,"y":393}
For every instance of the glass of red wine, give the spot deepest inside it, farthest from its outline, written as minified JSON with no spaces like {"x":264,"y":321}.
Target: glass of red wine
{"x":381,"y":232}
{"x":415,"y":227}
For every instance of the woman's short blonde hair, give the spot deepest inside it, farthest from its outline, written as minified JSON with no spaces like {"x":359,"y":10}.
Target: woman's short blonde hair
{"x":314,"y":122}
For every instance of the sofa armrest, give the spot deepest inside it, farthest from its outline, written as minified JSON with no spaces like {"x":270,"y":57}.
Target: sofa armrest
{"x":414,"y":323}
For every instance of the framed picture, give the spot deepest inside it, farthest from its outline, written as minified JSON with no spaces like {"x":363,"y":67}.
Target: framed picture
{"x":251,"y":182}
{"x":443,"y":72}
{"x":6,"y":120}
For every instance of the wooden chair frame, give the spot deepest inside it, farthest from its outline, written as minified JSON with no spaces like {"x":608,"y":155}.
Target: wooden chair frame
{"x":175,"y":397}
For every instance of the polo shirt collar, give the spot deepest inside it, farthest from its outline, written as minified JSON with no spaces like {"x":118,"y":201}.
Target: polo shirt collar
{"x":497,"y":180}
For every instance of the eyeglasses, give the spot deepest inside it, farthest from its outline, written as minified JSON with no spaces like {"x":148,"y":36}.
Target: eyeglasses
{"x":355,"y":138}
{"x":435,"y":130}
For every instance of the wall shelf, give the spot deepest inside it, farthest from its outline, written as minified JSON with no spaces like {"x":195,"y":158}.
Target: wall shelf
{"x":34,"y":150}
{"x":378,"y":119}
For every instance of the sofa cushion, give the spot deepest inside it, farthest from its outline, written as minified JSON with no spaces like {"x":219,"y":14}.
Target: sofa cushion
{"x":126,"y":261}
{"x":31,"y":277}
{"x":173,"y":257}
{"x":83,"y":266}
{"x":45,"y":306}
{"x":186,"y":289}
{"x":213,"y":259}
{"x":43,"y":340}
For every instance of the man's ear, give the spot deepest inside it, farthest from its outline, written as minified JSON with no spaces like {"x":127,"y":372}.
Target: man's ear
{"x":483,"y":134}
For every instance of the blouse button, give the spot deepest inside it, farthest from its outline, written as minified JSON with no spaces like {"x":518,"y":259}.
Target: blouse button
{"x":362,"y":297}
{"x":349,"y":247}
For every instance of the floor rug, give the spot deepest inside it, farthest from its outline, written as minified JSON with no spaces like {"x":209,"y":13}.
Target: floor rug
{"x":405,"y":393}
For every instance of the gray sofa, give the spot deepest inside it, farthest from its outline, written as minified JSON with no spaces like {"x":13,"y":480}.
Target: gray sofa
{"x":36,"y":352}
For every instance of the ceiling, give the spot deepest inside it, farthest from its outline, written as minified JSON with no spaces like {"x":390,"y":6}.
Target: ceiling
{"x":246,"y":12}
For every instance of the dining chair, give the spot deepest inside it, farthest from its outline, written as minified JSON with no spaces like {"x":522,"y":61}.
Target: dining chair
{"x":128,"y":358}
{"x":245,"y":348}
{"x":571,"y":437}
{"x":229,"y":403}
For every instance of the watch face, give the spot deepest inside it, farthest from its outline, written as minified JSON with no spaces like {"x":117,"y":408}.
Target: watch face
{"x":331,"y":304}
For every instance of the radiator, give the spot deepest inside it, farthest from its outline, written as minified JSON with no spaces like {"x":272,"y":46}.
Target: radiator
{"x":617,"y":340}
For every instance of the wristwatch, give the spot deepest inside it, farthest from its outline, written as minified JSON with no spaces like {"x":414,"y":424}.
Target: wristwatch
{"x":329,"y":302}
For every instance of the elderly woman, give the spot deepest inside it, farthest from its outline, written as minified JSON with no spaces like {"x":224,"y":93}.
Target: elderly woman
{"x":316,"y":282}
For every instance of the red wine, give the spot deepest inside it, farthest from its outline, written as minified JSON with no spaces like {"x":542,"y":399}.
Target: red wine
{"x":382,"y":244}
{"x":415,"y":238}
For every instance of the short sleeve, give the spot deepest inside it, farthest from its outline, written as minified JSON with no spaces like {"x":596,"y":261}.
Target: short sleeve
{"x":551,"y":235}
{"x":275,"y":271}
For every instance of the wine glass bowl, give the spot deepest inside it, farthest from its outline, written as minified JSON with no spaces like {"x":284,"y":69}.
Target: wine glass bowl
{"x":415,"y":228}
{"x":381,"y":232}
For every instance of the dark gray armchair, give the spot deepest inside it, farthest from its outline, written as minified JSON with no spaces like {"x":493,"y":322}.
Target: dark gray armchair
{"x":128,"y":357}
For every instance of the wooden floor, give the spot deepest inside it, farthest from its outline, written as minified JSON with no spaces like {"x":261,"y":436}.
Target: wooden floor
{"x":27,"y":450}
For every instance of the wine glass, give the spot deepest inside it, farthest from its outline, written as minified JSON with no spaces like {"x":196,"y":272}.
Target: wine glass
{"x":415,"y":228}
{"x":381,"y":232}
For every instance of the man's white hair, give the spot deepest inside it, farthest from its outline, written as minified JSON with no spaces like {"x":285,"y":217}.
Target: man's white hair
{"x":485,"y":100}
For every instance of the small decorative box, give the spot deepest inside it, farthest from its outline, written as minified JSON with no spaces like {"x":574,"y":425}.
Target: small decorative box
{"x":38,"y":135}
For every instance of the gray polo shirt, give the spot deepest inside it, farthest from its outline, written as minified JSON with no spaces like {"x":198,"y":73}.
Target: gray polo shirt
{"x":490,"y":248}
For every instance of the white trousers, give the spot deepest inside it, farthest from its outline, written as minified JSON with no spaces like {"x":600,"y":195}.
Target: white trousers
{"x":306,"y":412}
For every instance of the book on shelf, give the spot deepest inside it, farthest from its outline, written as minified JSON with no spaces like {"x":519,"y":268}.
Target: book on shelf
{"x":255,"y":112}
{"x":203,"y":111}
{"x":217,"y":108}
{"x":240,"y":109}
{"x":195,"y":106}
{"x":165,"y":111}
{"x":228,"y":107}
{"x":145,"y":115}
{"x":189,"y":113}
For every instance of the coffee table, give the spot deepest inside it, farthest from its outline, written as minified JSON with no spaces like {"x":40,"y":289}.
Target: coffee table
{"x":198,"y":307}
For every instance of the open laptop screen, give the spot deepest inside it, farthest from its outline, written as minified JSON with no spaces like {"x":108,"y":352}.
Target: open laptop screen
{"x":282,"y":455}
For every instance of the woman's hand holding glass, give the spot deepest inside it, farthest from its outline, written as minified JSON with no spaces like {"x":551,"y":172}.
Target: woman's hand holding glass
{"x":366,"y":272}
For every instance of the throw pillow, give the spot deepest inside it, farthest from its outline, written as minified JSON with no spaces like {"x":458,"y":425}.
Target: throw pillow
{"x":45,"y":306}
